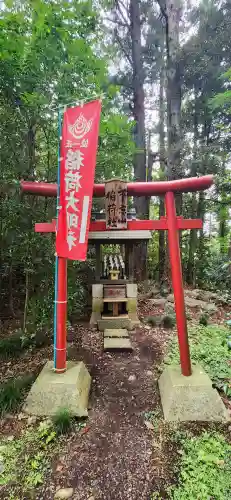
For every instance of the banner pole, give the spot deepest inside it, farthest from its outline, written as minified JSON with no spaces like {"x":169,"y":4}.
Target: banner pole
{"x":56,"y":257}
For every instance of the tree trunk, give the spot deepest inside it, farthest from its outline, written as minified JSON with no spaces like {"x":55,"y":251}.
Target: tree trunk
{"x":162,"y":249}
{"x":201,"y":215}
{"x":26,"y":301}
{"x":173,"y":14}
{"x":141,"y":203}
{"x":191,"y":270}
{"x":31,"y":149}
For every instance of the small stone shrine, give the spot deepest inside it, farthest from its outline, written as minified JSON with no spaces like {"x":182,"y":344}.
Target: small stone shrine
{"x":114,"y":293}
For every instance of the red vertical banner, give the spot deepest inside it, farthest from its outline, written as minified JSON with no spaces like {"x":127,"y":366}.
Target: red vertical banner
{"x":77,"y":171}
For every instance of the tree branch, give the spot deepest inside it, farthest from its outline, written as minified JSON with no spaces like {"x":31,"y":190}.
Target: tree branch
{"x":120,"y":11}
{"x":127,"y":55}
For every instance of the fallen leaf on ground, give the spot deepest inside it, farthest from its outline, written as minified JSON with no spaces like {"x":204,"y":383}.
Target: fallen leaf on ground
{"x":85,"y":430}
{"x":59,"y":468}
{"x":149,"y":425}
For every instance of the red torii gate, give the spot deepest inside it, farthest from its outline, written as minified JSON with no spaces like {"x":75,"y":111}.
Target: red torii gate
{"x":171,"y":223}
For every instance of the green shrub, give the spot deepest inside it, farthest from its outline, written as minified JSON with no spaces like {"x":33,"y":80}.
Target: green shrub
{"x":169,"y":321}
{"x":203,"y":320}
{"x":151,"y":320}
{"x":13,"y":392}
{"x":205,"y":469}
{"x":62,"y":421}
{"x":13,"y":345}
{"x":208,"y":347}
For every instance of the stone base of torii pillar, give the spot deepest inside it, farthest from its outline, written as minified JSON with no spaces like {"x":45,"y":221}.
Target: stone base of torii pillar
{"x":53,"y":391}
{"x":190,"y":398}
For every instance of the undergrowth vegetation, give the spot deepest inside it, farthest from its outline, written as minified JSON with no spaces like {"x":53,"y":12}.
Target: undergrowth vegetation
{"x":205,"y":468}
{"x":62,"y":421}
{"x":24,"y":461}
{"x":208,"y":347}
{"x":14,"y":344}
{"x":12,"y":393}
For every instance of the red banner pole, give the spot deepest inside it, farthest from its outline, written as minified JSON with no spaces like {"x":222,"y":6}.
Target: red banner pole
{"x":61,"y":335}
{"x":177,"y":282}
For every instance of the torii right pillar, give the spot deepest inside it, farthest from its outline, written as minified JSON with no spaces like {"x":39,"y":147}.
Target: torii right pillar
{"x":186,"y":394}
{"x":177,"y":283}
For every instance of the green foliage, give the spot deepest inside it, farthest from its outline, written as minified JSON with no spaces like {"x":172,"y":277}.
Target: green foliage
{"x":203,"y":320}
{"x":12,"y":393}
{"x":62,"y":421}
{"x":26,"y":459}
{"x":12,"y":345}
{"x":208,"y":347}
{"x":217,"y":272}
{"x":204,"y":469}
{"x":16,"y":343}
{"x":152,"y":320}
{"x":169,"y":321}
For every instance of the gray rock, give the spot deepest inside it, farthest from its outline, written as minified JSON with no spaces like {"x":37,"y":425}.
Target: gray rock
{"x":192,"y":293}
{"x":158,"y":302}
{"x":63,"y":493}
{"x":132,"y":378}
{"x":211,"y":308}
{"x":194,"y":303}
{"x":170,"y":297}
{"x":222,"y":301}
{"x":32,"y":420}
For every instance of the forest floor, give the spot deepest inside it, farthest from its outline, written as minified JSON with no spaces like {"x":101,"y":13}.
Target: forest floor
{"x":125,"y":451}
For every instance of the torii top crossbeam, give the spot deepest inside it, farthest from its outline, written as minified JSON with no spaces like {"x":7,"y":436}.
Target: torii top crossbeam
{"x":133,"y":188}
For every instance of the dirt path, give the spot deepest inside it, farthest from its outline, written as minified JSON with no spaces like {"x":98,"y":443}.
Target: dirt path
{"x":115,"y":459}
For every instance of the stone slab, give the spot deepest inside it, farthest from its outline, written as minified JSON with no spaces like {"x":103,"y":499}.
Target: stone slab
{"x":118,"y":344}
{"x":116,"y":332}
{"x":52,"y":391}
{"x":190,"y":398}
{"x":110,"y":323}
{"x":131,"y":290}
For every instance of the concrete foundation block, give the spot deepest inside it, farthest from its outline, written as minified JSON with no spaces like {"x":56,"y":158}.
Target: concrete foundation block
{"x":95,"y":316}
{"x":97,"y":291}
{"x":97,"y":305}
{"x":131,"y":290}
{"x":135,"y":322}
{"x":131,"y":305}
{"x":190,"y":398}
{"x":52,"y":391}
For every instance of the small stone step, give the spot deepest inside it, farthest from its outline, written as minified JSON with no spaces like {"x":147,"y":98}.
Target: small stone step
{"x":111,"y":323}
{"x":117,"y":344}
{"x":116,"y":333}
